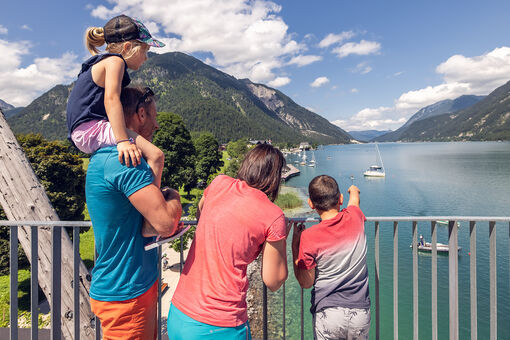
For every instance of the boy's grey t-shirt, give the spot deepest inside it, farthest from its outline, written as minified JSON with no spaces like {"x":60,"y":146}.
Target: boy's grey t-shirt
{"x":337,"y":249}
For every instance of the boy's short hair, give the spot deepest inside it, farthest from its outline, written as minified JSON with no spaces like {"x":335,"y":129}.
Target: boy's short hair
{"x":324,"y":192}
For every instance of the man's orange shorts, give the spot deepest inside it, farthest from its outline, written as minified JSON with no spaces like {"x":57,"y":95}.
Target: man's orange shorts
{"x":132,"y":319}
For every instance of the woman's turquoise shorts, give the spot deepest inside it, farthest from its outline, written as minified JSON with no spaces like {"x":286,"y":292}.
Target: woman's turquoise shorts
{"x":182,"y":327}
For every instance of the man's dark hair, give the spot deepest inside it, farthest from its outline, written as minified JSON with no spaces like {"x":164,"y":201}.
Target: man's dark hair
{"x":130,"y":97}
{"x":324,"y":192}
{"x":262,"y":169}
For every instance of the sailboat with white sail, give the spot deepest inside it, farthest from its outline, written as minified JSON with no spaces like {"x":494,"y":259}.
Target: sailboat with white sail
{"x":376,"y":170}
{"x":303,"y":158}
{"x":312,"y":162}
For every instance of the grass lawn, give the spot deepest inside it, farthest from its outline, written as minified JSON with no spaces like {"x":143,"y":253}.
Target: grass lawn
{"x":288,"y":200}
{"x":23,"y":295}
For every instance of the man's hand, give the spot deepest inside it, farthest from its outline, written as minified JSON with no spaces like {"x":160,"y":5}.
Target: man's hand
{"x":353,"y":195}
{"x":170,"y":194}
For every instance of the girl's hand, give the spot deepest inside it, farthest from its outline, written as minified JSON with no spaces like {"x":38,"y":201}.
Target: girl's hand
{"x":127,"y":151}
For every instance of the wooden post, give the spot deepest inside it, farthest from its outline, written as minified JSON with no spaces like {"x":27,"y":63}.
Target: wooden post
{"x":23,"y":198}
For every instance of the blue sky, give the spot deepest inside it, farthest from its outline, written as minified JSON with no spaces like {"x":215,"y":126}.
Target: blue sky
{"x":360,"y":64}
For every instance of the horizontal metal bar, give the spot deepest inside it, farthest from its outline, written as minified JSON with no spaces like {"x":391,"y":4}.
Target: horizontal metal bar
{"x":73,"y":224}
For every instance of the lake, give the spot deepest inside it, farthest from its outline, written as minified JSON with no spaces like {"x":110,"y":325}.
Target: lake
{"x":422,"y":179}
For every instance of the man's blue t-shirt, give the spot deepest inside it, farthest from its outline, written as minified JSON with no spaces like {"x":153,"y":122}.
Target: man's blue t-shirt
{"x":123,"y":269}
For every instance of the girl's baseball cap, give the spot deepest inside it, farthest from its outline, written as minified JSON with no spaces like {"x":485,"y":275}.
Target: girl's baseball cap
{"x":123,"y":28}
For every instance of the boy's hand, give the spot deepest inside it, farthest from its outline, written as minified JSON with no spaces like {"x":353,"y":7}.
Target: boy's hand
{"x":296,"y":236}
{"x":353,"y":189}
{"x":129,"y":151}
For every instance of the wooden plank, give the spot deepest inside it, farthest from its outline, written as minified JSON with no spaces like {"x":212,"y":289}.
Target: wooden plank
{"x":23,"y":199}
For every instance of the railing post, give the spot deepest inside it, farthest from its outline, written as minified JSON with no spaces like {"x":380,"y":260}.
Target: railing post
{"x":34,"y":281}
{"x":433,"y":232}
{"x":395,"y":280}
{"x":13,"y":299}
{"x":493,"y":282}
{"x":377,"y":301}
{"x":473,"y":280}
{"x":56,"y":257}
{"x":264,"y":311}
{"x":302,"y":316}
{"x":181,"y":261}
{"x":160,"y":270}
{"x":97,"y":322}
{"x":76,"y":281}
{"x":283,"y":303}
{"x":453,"y":268}
{"x":415,"y":280}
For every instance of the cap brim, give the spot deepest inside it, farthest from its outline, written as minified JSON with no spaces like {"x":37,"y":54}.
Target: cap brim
{"x":152,"y":42}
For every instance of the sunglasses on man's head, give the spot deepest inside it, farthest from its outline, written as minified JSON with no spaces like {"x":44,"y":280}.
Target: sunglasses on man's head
{"x":148,"y":93}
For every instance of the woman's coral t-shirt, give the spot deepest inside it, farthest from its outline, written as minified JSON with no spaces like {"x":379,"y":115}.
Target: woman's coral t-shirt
{"x":235,"y":221}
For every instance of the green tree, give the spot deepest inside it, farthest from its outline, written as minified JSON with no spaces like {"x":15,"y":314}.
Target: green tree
{"x":236,"y":151}
{"x":63,"y":178}
{"x":60,"y":173}
{"x":208,"y":156}
{"x":175,"y":141}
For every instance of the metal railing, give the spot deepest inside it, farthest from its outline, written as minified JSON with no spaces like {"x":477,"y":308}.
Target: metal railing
{"x":453,"y":275}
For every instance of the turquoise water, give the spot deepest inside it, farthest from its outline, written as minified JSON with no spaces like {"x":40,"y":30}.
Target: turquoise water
{"x":422,"y":179}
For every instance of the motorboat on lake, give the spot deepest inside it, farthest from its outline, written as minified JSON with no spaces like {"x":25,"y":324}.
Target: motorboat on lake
{"x":427,"y":246}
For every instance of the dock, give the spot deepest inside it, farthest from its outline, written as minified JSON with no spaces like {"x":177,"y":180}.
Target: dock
{"x":289,"y":171}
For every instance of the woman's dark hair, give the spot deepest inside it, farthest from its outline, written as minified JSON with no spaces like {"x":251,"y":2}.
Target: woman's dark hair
{"x":324,"y":193}
{"x":262,"y":169}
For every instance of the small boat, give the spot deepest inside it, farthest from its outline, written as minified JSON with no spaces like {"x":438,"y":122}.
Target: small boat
{"x":376,"y":170}
{"x":312,"y":162}
{"x":303,"y":159}
{"x":446,"y":223}
{"x":427,"y":246}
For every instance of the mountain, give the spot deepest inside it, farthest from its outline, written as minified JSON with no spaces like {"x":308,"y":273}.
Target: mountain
{"x":12,"y":112}
{"x":210,"y":100}
{"x":488,"y":119}
{"x":206,"y":98}
{"x":367,"y":135}
{"x":436,"y":109}
{"x":5,"y":106}
{"x":45,"y":115}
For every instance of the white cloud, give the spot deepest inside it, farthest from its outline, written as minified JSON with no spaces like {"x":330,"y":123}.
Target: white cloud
{"x":462,"y":75}
{"x":26,"y":27}
{"x":362,"y":68}
{"x":381,"y":118}
{"x":303,"y":60}
{"x":397,"y":74}
{"x":319,"y":82}
{"x":354,"y":90}
{"x":279,"y":82}
{"x":3,"y":30}
{"x":20,"y":85}
{"x":331,"y":38}
{"x":362,"y":48}
{"x":246,"y":38}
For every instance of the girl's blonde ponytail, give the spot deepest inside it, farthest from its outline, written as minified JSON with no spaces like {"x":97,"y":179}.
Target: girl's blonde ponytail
{"x":94,"y":38}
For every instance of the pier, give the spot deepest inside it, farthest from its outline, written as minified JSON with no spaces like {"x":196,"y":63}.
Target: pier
{"x":289,"y":172}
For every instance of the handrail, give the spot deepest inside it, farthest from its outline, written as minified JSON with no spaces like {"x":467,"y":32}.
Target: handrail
{"x":453,"y":272}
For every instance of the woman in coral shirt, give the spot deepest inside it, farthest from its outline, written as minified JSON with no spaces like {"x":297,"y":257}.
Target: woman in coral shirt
{"x":237,"y":221}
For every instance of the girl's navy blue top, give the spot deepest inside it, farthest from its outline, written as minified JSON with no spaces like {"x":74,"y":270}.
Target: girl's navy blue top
{"x":86,"y":101}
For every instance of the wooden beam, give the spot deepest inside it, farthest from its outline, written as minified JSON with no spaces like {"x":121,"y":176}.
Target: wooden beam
{"x":22,"y":197}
